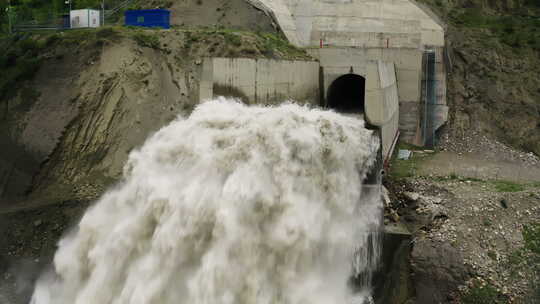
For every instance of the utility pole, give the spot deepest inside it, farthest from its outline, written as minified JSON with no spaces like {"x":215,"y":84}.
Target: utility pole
{"x":103,"y":13}
{"x":9,"y":16}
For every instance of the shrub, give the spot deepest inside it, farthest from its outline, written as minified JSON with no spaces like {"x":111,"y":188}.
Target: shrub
{"x":106,"y":32}
{"x":531,"y":236}
{"x":506,"y":186}
{"x":232,"y":38}
{"x":482,"y":295}
{"x":146,"y":40}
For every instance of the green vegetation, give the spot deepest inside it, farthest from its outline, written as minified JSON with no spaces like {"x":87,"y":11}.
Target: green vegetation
{"x":232,"y":38}
{"x":238,"y":43}
{"x":526,"y":260}
{"x":407,"y":168}
{"x":515,"y":24}
{"x":44,"y":11}
{"x":507,"y":186}
{"x":19,"y":61}
{"x":274,"y":43}
{"x":512,"y":30}
{"x":403,"y":168}
{"x":21,"y":56}
{"x":146,"y":40}
{"x":400,"y":169}
{"x":482,"y":295}
{"x":531,"y":236}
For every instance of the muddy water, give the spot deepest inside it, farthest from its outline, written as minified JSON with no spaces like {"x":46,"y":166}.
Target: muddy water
{"x":234,"y":204}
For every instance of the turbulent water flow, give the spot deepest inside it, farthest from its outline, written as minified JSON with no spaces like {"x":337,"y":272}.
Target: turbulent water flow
{"x":233,"y":205}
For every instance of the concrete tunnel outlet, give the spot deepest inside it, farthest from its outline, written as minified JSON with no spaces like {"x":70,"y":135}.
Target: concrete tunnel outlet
{"x":347,"y":94}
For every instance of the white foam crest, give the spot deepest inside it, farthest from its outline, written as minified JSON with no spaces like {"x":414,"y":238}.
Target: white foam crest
{"x":233,"y":205}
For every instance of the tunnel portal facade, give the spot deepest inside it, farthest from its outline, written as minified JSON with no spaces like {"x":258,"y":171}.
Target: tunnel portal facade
{"x":347,"y":94}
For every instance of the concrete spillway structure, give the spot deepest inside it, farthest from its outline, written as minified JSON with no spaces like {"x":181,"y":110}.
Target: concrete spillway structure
{"x":377,"y":40}
{"x":384,"y":58}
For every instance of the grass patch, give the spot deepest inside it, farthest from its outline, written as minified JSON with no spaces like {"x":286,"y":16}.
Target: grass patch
{"x":146,"y":40}
{"x":273,"y":44}
{"x":20,"y":59}
{"x":482,"y":295}
{"x":400,"y":169}
{"x":517,"y":31}
{"x":232,"y":38}
{"x":531,"y":236}
{"x":526,"y":260}
{"x":240,"y":43}
{"x":21,"y":55}
{"x":507,"y":186}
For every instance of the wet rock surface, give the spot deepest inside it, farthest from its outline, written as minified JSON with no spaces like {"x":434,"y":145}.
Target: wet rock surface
{"x":438,"y":271}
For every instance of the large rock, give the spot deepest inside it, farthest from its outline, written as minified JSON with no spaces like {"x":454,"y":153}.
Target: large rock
{"x":438,"y":270}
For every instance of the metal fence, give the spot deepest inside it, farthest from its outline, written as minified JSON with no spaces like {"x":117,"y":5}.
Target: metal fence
{"x":53,"y":24}
{"x":110,"y":16}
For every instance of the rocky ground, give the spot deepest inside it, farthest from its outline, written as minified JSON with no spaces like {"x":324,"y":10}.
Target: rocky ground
{"x":468,"y":232}
{"x":486,"y":148}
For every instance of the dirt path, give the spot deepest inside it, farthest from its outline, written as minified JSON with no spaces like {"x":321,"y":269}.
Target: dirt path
{"x":475,"y":166}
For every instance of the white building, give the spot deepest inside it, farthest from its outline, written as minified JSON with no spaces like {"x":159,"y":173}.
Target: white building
{"x":85,"y":18}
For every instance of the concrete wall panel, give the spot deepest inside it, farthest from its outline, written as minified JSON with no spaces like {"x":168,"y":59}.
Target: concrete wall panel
{"x":261,"y":81}
{"x":409,"y":123}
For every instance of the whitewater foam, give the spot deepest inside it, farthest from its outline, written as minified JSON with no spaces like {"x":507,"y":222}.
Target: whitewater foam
{"x":233,"y":205}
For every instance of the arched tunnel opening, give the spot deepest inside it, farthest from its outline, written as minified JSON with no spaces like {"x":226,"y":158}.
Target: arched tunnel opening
{"x":347,"y":94}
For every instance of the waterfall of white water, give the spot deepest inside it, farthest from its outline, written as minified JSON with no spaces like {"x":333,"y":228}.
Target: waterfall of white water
{"x":233,"y":205}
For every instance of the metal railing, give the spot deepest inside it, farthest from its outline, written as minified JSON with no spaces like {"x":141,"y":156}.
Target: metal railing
{"x":52,"y":24}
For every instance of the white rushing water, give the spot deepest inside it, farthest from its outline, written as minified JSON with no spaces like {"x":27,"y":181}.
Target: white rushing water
{"x":233,"y":205}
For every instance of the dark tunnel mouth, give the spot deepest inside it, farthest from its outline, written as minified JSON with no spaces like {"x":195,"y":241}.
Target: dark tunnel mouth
{"x":347,"y":94}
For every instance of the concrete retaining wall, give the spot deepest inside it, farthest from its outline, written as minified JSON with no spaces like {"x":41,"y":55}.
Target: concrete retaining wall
{"x":261,"y":81}
{"x":382,"y":105}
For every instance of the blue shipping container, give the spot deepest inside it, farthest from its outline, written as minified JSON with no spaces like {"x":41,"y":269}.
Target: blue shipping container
{"x":148,"y":18}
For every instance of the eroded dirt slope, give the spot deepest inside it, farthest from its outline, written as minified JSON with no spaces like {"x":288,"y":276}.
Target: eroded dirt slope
{"x":97,"y":96}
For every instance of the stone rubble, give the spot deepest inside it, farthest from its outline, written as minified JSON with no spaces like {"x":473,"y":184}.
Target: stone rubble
{"x":469,"y":216}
